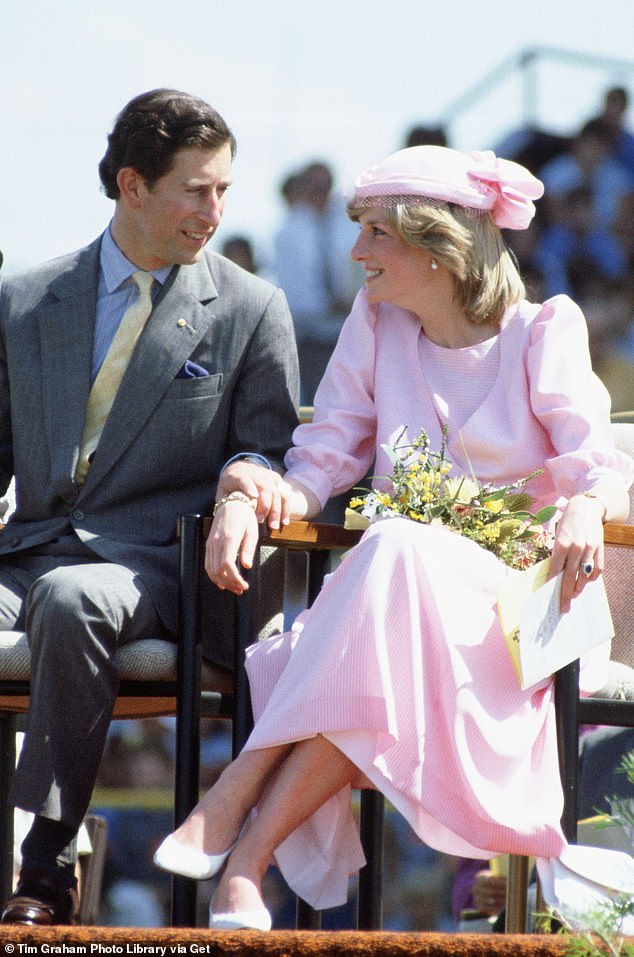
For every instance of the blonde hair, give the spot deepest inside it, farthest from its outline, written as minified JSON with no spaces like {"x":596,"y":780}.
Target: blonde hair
{"x":485,"y":278}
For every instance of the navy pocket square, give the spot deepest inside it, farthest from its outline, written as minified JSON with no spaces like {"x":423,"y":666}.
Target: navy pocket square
{"x":191,"y":370}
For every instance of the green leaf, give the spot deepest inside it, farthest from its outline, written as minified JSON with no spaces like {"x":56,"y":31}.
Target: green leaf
{"x":545,"y":514}
{"x":519,"y":503}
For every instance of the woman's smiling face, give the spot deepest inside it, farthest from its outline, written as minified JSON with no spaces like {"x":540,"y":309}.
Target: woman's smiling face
{"x":396,"y":272}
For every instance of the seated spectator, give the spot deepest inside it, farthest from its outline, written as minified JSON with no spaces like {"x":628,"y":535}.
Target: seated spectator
{"x":532,"y":147}
{"x":615,"y":106}
{"x":578,"y":254}
{"x":613,"y":353}
{"x":426,"y":136}
{"x":312,"y":265}
{"x":588,"y":163}
{"x":239,"y":250}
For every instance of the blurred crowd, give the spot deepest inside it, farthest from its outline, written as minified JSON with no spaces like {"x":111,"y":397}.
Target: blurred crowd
{"x":581,"y":242}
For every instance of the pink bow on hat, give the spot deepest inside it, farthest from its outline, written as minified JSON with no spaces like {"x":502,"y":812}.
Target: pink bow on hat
{"x":512,"y":185}
{"x":478,"y":180}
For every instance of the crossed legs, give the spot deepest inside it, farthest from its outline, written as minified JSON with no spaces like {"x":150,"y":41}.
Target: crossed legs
{"x":289,"y":783}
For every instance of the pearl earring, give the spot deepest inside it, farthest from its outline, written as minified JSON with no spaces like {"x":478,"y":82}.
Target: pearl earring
{"x":434,"y":265}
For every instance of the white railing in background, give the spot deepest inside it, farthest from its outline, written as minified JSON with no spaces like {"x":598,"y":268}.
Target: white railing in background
{"x":525,"y":64}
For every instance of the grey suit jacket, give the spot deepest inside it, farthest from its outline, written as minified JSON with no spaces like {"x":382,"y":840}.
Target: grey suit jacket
{"x":167,"y":437}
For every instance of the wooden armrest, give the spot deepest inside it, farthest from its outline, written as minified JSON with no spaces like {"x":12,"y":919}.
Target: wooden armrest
{"x":302,"y":535}
{"x":615,"y":533}
{"x":306,"y":535}
{"x":322,"y":535}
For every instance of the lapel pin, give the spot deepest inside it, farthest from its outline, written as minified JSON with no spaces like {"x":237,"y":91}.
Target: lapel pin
{"x":183,"y":324}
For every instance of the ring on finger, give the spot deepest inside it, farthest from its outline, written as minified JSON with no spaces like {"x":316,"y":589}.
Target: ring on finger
{"x":586,"y":568}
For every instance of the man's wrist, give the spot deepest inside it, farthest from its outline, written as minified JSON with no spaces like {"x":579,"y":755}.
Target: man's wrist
{"x":256,"y":457}
{"x":236,"y":496}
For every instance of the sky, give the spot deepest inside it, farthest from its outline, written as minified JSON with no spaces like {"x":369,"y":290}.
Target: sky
{"x":296,"y":80}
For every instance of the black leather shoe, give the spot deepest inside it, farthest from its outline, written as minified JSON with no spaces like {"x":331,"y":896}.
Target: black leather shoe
{"x":41,"y":899}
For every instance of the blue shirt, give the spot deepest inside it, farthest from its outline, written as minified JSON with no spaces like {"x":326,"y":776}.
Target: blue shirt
{"x":115,"y":292}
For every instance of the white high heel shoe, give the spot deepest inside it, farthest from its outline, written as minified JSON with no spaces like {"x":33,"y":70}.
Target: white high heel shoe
{"x":241,"y":920}
{"x":188,"y":861}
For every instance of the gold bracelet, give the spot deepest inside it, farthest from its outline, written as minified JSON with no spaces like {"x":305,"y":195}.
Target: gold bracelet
{"x":236,"y":496}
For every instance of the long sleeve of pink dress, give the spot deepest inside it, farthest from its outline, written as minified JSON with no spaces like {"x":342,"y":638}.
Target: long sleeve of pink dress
{"x":401,"y":662}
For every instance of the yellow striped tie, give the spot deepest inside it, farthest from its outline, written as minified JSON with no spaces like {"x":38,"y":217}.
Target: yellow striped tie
{"x":108,"y":380}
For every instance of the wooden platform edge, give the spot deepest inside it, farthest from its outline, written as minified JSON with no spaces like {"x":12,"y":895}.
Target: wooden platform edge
{"x":17,"y":940}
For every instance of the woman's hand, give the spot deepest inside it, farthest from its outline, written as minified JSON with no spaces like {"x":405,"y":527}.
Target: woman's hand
{"x":260,"y":495}
{"x":272,"y":493}
{"x":578,"y":549}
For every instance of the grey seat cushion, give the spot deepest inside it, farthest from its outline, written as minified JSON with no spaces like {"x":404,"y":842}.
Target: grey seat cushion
{"x":149,"y":659}
{"x":15,"y":657}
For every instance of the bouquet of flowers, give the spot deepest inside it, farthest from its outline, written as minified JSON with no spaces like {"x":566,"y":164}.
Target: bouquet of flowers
{"x":498,"y":519}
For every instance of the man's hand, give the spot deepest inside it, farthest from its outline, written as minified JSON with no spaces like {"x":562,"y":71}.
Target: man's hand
{"x":231,"y":544}
{"x":234,"y":534}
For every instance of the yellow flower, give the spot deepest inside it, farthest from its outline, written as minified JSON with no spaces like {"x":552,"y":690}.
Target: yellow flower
{"x":422,"y":492}
{"x":494,"y":505}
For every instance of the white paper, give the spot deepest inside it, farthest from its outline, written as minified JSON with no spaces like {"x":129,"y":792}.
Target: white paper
{"x":548,"y":639}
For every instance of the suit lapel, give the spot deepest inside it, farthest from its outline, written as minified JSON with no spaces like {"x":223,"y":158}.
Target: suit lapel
{"x":66,"y":326}
{"x":180,"y":319}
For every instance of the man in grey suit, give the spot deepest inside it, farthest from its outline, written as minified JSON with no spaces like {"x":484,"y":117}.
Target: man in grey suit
{"x":89,"y":559}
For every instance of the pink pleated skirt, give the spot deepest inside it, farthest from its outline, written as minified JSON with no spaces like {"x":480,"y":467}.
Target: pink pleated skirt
{"x":401,"y":663}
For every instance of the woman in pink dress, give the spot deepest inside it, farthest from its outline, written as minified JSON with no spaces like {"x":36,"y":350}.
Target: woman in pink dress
{"x":398,"y":677}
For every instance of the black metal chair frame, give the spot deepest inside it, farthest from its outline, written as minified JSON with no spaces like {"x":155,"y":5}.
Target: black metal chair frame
{"x":573,"y":711}
{"x":319,"y":540}
{"x":190,"y":704}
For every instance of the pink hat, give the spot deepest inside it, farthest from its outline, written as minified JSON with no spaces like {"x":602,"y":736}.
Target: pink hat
{"x":478,"y":180}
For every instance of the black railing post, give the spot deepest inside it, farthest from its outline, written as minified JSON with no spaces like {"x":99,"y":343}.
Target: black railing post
{"x":8,"y":728}
{"x":567,"y":718}
{"x":188,"y":688}
{"x":371,"y":825}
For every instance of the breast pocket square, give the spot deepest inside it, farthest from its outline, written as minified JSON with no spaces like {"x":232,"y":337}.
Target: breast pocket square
{"x":191,"y":370}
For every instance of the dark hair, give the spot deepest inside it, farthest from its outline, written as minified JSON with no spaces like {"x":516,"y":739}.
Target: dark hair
{"x":618,"y":94}
{"x":426,"y":136}
{"x":152,"y":128}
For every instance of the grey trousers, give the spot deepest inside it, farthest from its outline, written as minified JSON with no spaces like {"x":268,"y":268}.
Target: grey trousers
{"x":75,"y":610}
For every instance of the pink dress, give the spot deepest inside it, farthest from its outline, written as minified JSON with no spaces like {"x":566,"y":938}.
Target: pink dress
{"x":401,"y":662}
